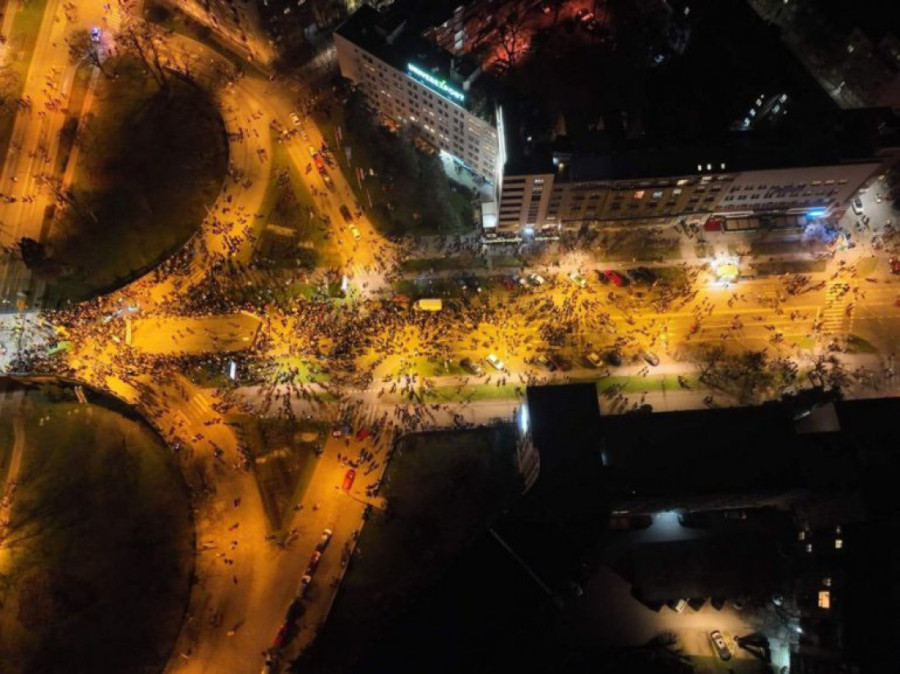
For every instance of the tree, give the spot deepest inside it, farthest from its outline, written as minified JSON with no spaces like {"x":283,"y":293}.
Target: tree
{"x":136,"y":37}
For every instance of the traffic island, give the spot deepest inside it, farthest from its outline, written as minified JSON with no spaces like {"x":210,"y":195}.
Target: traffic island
{"x":97,"y":557}
{"x":151,"y":159}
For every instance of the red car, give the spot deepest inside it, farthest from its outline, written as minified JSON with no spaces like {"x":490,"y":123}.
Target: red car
{"x":349,"y":476}
{"x":895,"y":265}
{"x":614,"y":277}
{"x":714,"y":224}
{"x":280,"y":638}
{"x":313,"y":563}
{"x":362,"y":435}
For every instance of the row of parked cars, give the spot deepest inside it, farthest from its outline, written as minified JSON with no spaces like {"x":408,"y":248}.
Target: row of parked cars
{"x":554,"y":361}
{"x":273,"y":654}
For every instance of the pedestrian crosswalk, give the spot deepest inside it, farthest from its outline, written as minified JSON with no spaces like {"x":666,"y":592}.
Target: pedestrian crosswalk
{"x":836,"y":316}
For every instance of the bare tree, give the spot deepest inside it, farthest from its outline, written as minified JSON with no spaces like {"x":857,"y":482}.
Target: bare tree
{"x":138,"y":38}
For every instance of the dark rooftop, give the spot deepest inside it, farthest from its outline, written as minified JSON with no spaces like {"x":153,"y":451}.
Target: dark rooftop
{"x":644,"y":119}
{"x":390,"y":37}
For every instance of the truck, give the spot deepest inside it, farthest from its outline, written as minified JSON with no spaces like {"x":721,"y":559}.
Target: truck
{"x":428,"y":305}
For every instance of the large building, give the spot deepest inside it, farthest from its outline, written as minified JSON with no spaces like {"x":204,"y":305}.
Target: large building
{"x":410,"y":81}
{"x":756,"y":140}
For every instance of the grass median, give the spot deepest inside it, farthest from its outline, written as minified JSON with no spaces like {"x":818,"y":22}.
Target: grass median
{"x":151,"y":161}
{"x":100,"y":547}
{"x":443,"y":490}
{"x":20,"y":43}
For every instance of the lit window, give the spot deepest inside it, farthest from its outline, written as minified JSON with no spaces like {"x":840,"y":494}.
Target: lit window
{"x":825,"y":599}
{"x":657,"y":195}
{"x":826,"y":581}
{"x":837,"y":529}
{"x":809,"y":547}
{"x":676,"y":191}
{"x":639,"y":194}
{"x":838,"y":543}
{"x":699,"y":167}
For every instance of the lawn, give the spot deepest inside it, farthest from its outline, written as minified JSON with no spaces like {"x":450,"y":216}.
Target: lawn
{"x":285,"y":457}
{"x":21,"y":41}
{"x":101,"y":544}
{"x":292,"y":237}
{"x":73,"y":113}
{"x":443,"y":490}
{"x":788,"y":267}
{"x":151,"y":161}
{"x":404,"y":191}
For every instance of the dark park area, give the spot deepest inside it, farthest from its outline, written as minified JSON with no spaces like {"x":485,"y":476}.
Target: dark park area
{"x":94,"y":573}
{"x":151,"y":155}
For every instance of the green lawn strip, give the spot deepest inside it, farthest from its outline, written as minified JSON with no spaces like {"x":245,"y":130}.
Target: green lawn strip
{"x":98,"y":493}
{"x":284,"y":460}
{"x":443,"y":490}
{"x":181,"y":23}
{"x":427,"y":367}
{"x":789,"y":267}
{"x":73,"y":114}
{"x":21,"y":41}
{"x":468,"y":393}
{"x":856,"y":344}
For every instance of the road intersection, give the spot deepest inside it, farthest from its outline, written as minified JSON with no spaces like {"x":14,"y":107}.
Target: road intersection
{"x":391,"y":376}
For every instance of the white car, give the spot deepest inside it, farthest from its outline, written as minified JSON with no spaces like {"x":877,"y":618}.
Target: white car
{"x":577,"y":279}
{"x":295,"y":119}
{"x":95,"y":34}
{"x":536,"y":280}
{"x":324,"y":540}
{"x":857,"y":206}
{"x":305,"y":582}
{"x":495,"y":362}
{"x":312,"y":151}
{"x":354,"y":232}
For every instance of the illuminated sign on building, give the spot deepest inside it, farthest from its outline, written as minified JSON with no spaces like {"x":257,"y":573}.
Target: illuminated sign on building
{"x":437,"y":85}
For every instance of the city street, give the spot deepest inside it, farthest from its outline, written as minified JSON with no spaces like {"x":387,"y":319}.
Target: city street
{"x":380,"y":366}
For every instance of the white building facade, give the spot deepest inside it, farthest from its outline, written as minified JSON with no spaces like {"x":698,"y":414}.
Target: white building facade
{"x":435,"y":102}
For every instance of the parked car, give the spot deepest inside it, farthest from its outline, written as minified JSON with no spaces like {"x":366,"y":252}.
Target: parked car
{"x":857,"y":206}
{"x":650,"y":358}
{"x":354,"y":232}
{"x":495,"y":362}
{"x":602,"y":277}
{"x":349,"y":476}
{"x":345,"y":213}
{"x":508,"y":282}
{"x":545,"y":363}
{"x":313,"y":563}
{"x":614,"y":358}
{"x":677,"y":605}
{"x":593,"y":359}
{"x":536,"y":280}
{"x":95,"y":34}
{"x":717,"y":603}
{"x":560,"y":362}
{"x":616,"y":279}
{"x":895,"y":265}
{"x":280,"y":638}
{"x":305,"y":582}
{"x":718,"y":641}
{"x":471,"y":367}
{"x":577,"y":279}
{"x":324,"y":540}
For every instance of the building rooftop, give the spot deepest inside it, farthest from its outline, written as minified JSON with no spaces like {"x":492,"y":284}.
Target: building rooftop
{"x":390,"y":37}
{"x":731,"y":94}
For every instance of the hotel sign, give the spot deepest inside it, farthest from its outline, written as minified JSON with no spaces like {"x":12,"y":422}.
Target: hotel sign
{"x":439,"y":86}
